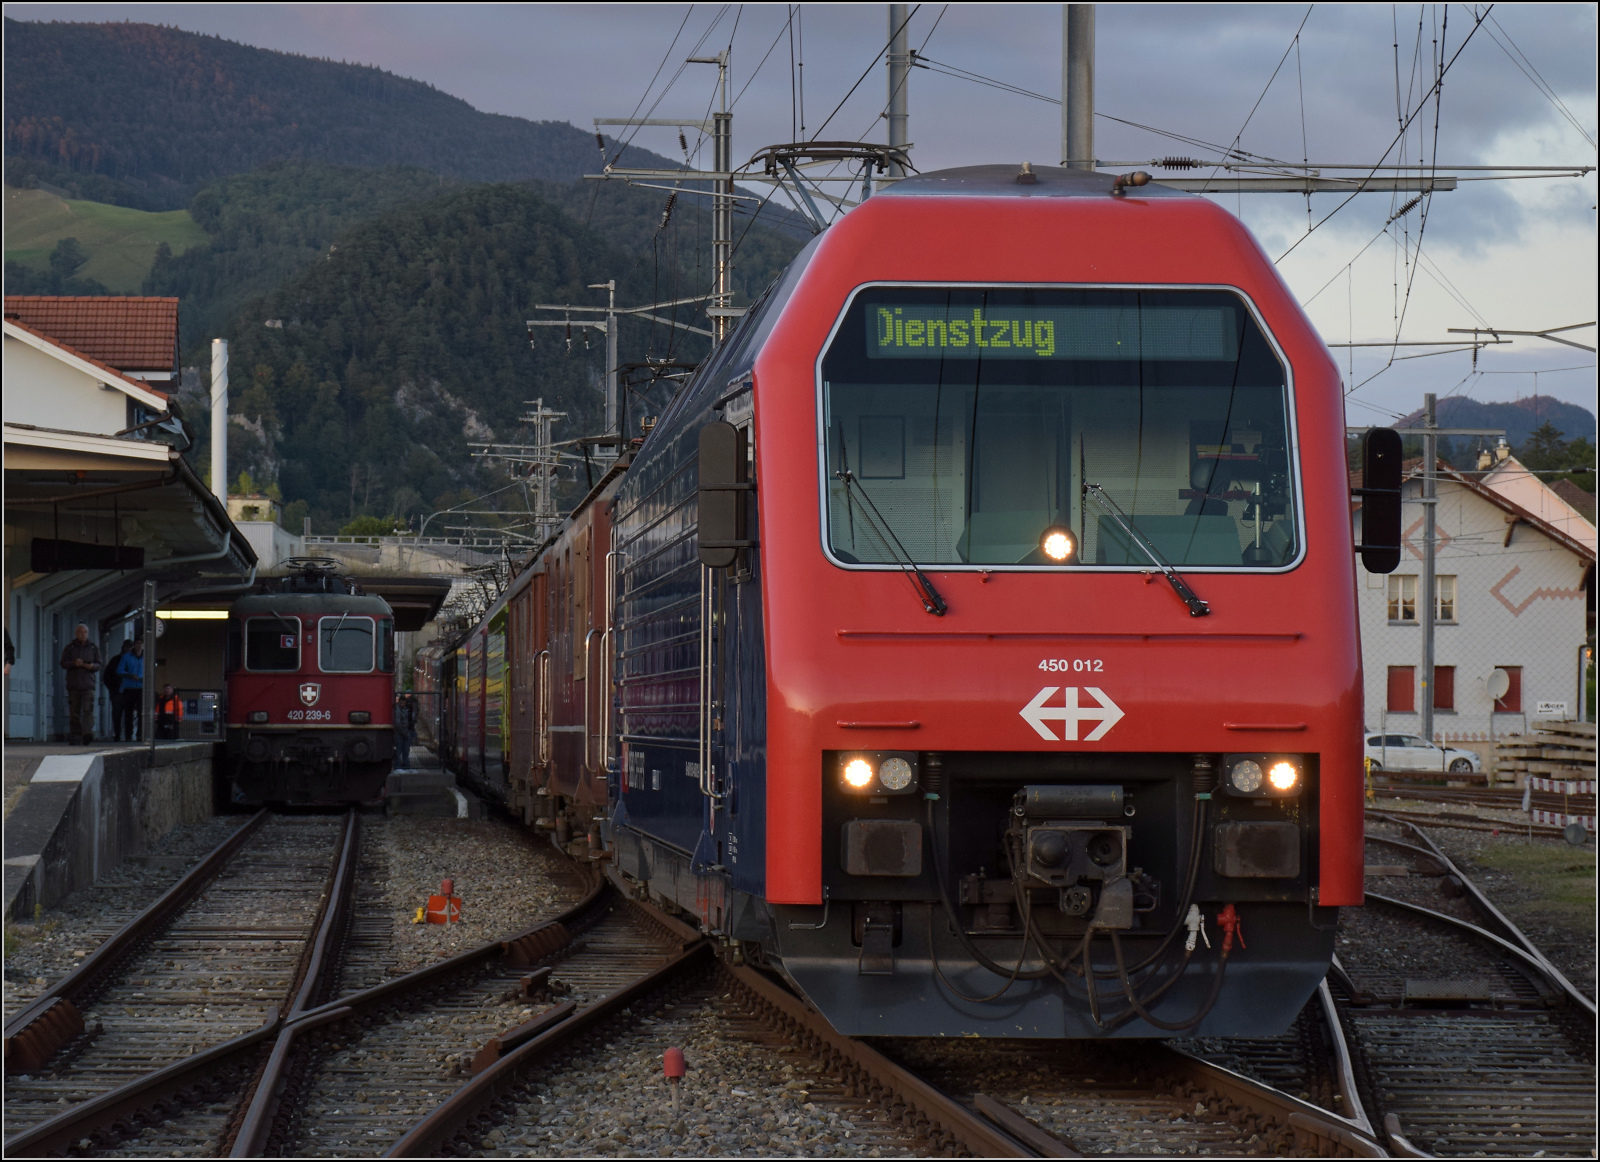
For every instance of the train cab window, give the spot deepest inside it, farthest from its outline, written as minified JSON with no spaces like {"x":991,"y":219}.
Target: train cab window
{"x":272,"y":643}
{"x":345,"y":644}
{"x":964,"y":422}
{"x":386,"y":645}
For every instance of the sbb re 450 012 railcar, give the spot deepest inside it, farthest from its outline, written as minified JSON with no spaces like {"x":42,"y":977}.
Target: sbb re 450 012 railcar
{"x":973,"y":640}
{"x":310,"y":689}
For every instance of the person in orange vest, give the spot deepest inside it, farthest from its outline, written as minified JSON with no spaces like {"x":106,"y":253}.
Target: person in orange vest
{"x":169,"y":713}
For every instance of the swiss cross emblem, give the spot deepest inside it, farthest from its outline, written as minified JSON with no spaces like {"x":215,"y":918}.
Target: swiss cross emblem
{"x":310,"y":692}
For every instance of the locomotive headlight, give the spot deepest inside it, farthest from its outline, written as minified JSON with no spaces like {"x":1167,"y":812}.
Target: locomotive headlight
{"x":1057,"y":543}
{"x":895,"y":774}
{"x":1245,"y":776}
{"x":361,"y":717}
{"x":858,"y":774}
{"x":1264,"y":776}
{"x":878,"y":772}
{"x":258,"y":716}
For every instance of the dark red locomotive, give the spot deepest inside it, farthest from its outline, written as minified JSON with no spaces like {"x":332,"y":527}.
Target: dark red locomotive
{"x":310,"y":690}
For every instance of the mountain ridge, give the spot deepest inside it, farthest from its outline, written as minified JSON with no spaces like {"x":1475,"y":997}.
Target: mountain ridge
{"x":211,"y":107}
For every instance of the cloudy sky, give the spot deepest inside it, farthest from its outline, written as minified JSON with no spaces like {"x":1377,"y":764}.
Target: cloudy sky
{"x":1512,"y":254}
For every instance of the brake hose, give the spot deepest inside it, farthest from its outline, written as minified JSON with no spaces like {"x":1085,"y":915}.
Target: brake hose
{"x":960,"y":929}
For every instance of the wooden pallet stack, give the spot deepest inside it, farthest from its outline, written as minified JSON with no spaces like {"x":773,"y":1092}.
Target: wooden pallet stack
{"x":1551,"y":750}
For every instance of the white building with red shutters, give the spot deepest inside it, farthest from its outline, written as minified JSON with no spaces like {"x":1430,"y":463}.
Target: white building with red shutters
{"x":1514,"y":593}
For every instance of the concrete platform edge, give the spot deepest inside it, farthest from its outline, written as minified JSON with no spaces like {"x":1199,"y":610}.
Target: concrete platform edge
{"x":61,"y":836}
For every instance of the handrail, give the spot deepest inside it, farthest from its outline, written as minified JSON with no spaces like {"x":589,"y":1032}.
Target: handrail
{"x":588,"y":694}
{"x":707,"y":787}
{"x":606,"y":660}
{"x":541,"y":662}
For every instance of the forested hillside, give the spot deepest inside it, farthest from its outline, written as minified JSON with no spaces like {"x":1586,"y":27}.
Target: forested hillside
{"x":358,"y":384}
{"x":145,"y":116}
{"x":269,"y":224}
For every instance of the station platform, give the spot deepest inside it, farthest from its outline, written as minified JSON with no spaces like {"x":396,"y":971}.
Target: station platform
{"x":424,"y":788}
{"x":72,"y":812}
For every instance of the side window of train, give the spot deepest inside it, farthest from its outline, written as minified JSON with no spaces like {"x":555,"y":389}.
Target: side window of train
{"x":386,"y":646}
{"x":346,"y":644}
{"x":272,"y":643}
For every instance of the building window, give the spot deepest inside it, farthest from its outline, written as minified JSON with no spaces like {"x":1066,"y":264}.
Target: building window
{"x":1444,"y":599}
{"x":1402,"y":598}
{"x":1402,"y":690}
{"x":1444,"y":687}
{"x":1511,"y":702}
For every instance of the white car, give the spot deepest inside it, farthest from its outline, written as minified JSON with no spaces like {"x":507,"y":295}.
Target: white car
{"x":1408,"y":752}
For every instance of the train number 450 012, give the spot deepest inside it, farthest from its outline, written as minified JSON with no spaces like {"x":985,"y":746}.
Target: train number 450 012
{"x":1075,"y":665}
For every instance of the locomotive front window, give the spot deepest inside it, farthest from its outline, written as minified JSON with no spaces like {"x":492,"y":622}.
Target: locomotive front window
{"x":346,"y":644}
{"x":964,"y":422}
{"x":272,"y":643}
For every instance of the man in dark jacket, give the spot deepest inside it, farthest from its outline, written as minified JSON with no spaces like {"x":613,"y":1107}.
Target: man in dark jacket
{"x":81,"y":661}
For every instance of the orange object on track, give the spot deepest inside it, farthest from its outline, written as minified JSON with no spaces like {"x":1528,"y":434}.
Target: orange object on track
{"x":444,"y":908}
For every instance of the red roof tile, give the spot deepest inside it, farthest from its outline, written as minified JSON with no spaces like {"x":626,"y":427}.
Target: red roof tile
{"x":131,"y":334}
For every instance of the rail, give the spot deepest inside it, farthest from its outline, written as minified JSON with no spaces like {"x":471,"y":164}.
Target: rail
{"x":34,"y":1035}
{"x":109,"y":1117}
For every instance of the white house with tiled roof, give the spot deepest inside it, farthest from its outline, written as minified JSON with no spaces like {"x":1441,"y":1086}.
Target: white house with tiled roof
{"x":1514,"y":593}
{"x":98,"y":497}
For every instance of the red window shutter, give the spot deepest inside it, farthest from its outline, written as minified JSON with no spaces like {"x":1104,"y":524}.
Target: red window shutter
{"x":1402,"y":690}
{"x":1444,"y":687}
{"x":1512,"y":702}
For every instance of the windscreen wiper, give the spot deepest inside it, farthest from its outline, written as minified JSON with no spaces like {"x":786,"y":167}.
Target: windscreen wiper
{"x":1197,"y":608}
{"x":926,"y":593}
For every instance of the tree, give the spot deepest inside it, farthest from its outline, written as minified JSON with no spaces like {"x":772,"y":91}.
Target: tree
{"x":373,"y":526}
{"x":66,"y":258}
{"x":1544,"y":448}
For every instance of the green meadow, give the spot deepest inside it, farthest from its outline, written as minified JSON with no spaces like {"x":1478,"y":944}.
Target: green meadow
{"x":121,"y":243}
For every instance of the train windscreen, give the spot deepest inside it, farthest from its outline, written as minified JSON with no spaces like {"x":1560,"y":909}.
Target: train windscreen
{"x":963,"y":423}
{"x":272,"y":643}
{"x":346,"y":644}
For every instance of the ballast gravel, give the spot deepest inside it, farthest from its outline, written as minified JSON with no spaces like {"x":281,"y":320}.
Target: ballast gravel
{"x":738,"y":1098}
{"x":505,"y":883}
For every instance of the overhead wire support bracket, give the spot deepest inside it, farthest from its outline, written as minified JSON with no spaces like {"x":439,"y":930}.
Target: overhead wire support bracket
{"x":1547,"y":333}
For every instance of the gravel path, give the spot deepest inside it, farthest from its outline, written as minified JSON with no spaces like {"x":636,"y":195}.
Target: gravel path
{"x":747,"y":1093}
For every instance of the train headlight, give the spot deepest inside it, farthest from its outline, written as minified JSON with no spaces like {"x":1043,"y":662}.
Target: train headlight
{"x":1264,"y":776}
{"x":1245,"y":776}
{"x":879,"y":772}
{"x":1283,"y":776}
{"x":259,"y":716}
{"x":895,"y":774}
{"x":1057,"y":543}
{"x":361,"y":717}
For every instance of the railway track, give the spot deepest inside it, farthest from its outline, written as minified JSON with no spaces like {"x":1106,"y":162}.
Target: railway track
{"x":1465,"y":1038}
{"x":534,"y":1043}
{"x":209,"y":964}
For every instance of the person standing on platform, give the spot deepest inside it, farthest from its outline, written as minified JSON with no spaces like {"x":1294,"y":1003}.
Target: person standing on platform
{"x":81,"y":661}
{"x":127,"y":702}
{"x":169,"y":714}
{"x":112,"y":677}
{"x":402,"y":734}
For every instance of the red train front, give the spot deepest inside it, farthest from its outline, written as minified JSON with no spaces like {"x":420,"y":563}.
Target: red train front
{"x":310,"y":690}
{"x":978,"y":643}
